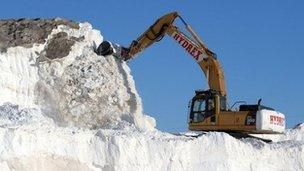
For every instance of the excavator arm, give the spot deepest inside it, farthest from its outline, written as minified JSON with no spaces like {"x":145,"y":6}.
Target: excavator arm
{"x":192,"y":44}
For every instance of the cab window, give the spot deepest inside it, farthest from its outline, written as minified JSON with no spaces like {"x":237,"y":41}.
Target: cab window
{"x":198,"y":110}
{"x":199,"y":105}
{"x":202,"y":108}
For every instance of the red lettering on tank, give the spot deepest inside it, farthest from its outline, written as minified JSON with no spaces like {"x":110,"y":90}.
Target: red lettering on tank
{"x":277,"y":120}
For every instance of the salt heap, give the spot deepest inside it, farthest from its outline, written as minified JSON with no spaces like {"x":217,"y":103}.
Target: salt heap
{"x":62,"y":107}
{"x":59,"y":74}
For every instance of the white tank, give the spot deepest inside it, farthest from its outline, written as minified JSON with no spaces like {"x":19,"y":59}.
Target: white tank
{"x":270,"y":121}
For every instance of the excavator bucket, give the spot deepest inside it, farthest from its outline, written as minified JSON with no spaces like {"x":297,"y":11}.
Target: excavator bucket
{"x":107,"y":48}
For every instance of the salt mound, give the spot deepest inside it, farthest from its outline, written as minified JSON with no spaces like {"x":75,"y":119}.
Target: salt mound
{"x":60,"y":74}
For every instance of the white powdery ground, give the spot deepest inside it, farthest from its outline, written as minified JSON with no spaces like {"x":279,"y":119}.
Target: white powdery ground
{"x":82,"y":112}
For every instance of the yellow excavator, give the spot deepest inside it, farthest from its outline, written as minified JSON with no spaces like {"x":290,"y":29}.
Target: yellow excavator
{"x":208,"y":110}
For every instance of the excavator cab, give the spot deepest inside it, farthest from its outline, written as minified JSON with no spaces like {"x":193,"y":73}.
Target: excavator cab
{"x":205,"y":104}
{"x":202,"y":106}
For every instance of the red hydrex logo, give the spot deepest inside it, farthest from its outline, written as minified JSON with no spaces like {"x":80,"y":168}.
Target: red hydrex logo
{"x":188,"y":46}
{"x":277,"y":120}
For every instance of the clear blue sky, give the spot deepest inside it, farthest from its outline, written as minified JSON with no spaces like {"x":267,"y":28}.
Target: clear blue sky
{"x":259,"y":43}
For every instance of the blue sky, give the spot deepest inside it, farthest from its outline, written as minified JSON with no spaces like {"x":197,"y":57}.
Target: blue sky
{"x":259,"y":43}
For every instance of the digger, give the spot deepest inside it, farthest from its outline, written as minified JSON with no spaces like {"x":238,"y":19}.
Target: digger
{"x":208,"y":109}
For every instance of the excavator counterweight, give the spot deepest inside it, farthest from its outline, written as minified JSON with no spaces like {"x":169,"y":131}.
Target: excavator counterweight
{"x":208,"y":108}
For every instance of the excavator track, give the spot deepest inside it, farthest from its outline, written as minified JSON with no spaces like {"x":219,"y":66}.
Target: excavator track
{"x":236,"y":135}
